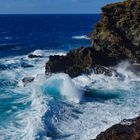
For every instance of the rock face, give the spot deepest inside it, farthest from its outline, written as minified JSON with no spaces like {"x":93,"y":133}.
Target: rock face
{"x":118,"y":32}
{"x":78,"y":61}
{"x":127,"y":130}
{"x":116,"y":37}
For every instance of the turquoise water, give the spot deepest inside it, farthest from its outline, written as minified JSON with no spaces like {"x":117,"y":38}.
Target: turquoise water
{"x":58,"y":107}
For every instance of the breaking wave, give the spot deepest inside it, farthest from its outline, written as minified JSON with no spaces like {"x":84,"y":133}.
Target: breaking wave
{"x":62,"y":85}
{"x":58,"y":107}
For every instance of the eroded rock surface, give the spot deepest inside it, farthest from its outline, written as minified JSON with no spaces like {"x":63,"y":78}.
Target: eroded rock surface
{"x":127,"y":130}
{"x":118,"y":31}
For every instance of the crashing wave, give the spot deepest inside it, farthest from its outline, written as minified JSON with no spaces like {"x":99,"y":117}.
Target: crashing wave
{"x":36,"y":53}
{"x":56,"y":101}
{"x":62,"y":85}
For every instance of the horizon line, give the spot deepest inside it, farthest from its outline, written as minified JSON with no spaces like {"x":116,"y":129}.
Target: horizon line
{"x":50,"y":13}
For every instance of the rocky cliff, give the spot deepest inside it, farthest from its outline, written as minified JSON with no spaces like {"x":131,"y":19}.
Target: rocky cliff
{"x":116,"y":37}
{"x":127,"y":130}
{"x":118,"y":32}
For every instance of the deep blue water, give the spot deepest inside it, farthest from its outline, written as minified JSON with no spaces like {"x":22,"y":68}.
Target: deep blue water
{"x":54,"y":107}
{"x":21,"y":34}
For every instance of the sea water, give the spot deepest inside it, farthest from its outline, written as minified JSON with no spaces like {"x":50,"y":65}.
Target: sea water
{"x":57,"y":106}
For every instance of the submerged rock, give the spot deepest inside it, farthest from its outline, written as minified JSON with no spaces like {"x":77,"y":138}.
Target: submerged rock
{"x":115,"y":38}
{"x":127,"y":130}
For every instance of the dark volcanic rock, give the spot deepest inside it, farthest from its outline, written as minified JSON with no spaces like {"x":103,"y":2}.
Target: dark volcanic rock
{"x":115,"y":38}
{"x":127,"y":130}
{"x":78,"y":61}
{"x":34,"y":56}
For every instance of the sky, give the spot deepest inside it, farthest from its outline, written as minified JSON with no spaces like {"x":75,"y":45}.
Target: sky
{"x":52,"y":6}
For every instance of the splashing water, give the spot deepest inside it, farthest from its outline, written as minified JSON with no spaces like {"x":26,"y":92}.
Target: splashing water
{"x":32,"y":111}
{"x":62,"y":84}
{"x":58,"y":107}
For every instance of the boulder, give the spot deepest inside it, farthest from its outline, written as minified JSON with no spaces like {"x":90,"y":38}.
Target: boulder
{"x":26,"y":80}
{"x":127,"y":130}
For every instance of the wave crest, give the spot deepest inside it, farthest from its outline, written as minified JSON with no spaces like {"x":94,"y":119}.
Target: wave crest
{"x":81,"y":37}
{"x":62,"y":85}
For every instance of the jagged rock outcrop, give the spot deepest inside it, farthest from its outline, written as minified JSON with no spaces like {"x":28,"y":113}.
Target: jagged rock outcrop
{"x":116,"y":37}
{"x":34,"y":56}
{"x":118,"y":31}
{"x":127,"y":130}
{"x":78,"y":61}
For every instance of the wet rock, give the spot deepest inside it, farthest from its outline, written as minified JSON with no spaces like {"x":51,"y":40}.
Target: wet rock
{"x":126,"y":130}
{"x":79,"y":61}
{"x":27,"y":80}
{"x":76,"y":62}
{"x":34,"y":56}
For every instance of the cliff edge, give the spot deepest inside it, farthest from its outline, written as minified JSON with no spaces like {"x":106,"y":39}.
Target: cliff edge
{"x":118,"y":31}
{"x":115,"y":37}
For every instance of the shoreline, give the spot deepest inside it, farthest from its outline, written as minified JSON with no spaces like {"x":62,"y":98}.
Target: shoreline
{"x":115,"y":38}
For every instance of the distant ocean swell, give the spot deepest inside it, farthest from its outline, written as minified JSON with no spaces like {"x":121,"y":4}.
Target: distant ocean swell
{"x":58,"y":107}
{"x":81,"y":37}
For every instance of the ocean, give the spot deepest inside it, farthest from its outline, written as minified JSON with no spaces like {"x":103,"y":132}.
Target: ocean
{"x":57,"y":107}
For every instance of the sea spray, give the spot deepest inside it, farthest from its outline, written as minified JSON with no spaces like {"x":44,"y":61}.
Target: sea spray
{"x":125,"y":68}
{"x":113,"y":100}
{"x":62,"y":85}
{"x":56,"y":98}
{"x":38,"y":53}
{"x":70,"y":91}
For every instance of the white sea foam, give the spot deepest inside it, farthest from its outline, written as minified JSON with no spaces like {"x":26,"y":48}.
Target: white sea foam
{"x":25,"y":123}
{"x":77,"y":121}
{"x":81,"y":37}
{"x":113,"y":100}
{"x":46,"y":53}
